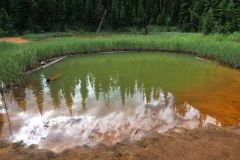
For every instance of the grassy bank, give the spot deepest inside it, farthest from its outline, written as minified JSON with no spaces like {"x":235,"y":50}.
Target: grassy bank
{"x":15,"y":59}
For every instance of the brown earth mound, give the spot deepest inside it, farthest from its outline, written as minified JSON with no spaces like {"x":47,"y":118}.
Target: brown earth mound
{"x":202,"y":143}
{"x":17,"y":40}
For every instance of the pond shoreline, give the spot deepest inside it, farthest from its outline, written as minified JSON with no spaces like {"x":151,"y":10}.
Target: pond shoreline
{"x":27,"y":56}
{"x":202,"y":143}
{"x":50,"y":61}
{"x":218,"y":142}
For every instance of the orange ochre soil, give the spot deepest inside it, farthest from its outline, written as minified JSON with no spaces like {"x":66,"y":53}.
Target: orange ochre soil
{"x":17,"y":40}
{"x":212,"y":143}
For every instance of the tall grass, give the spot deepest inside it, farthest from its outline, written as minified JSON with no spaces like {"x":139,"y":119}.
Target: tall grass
{"x":15,"y":60}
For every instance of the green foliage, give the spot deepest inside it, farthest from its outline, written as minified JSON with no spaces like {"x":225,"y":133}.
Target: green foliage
{"x":208,"y":22}
{"x":161,"y":19}
{"x":175,"y":9}
{"x":227,"y":17}
{"x":196,"y":14}
{"x":128,"y":7}
{"x":44,"y":13}
{"x":88,"y":12}
{"x":140,"y":14}
{"x":15,"y":60}
{"x":58,"y":15}
{"x":4,"y":19}
{"x":184,"y":15}
{"x":122,"y":17}
{"x":21,"y":14}
{"x":134,"y":16}
{"x":61,"y":11}
{"x":148,"y":9}
{"x":78,"y":11}
{"x":168,"y":21}
{"x":152,"y":21}
{"x":115,"y":14}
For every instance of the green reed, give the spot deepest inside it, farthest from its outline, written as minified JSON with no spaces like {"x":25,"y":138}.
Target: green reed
{"x":15,"y":59}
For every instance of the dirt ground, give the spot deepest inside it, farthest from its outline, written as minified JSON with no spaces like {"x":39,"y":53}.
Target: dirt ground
{"x":212,"y":143}
{"x":17,"y":40}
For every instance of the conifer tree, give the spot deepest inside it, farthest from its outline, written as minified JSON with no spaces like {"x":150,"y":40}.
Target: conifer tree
{"x":189,"y":15}
{"x":168,"y":21}
{"x":175,"y":11}
{"x":149,"y":9}
{"x":88,"y":11}
{"x":44,"y":10}
{"x":232,"y":17}
{"x":5,"y":4}
{"x":134,"y":16}
{"x":61,"y":12}
{"x":123,"y":21}
{"x":128,"y":11}
{"x":152,"y":21}
{"x":115,"y":14}
{"x":159,"y":20}
{"x":4,"y":19}
{"x":78,"y":8}
{"x":208,"y":22}
{"x":195,"y":15}
{"x":141,"y":15}
{"x":184,"y":15}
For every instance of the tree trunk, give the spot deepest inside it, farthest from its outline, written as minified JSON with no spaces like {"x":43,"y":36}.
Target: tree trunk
{"x":101,"y":23}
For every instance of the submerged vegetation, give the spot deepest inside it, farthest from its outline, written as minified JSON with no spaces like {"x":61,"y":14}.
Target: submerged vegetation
{"x":16,"y":59}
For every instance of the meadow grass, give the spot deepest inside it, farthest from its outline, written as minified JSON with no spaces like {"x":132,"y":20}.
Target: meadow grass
{"x":16,"y":59}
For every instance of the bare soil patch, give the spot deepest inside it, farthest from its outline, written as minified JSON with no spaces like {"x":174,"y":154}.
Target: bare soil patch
{"x":17,"y":40}
{"x":202,"y":143}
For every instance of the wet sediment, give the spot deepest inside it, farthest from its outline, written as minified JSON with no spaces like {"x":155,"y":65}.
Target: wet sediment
{"x":202,"y":143}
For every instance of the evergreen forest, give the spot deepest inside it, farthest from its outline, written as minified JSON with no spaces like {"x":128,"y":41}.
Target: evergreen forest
{"x":35,"y":16}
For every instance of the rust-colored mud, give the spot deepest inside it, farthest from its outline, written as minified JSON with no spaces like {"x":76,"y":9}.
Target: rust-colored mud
{"x":202,"y":143}
{"x":17,"y":40}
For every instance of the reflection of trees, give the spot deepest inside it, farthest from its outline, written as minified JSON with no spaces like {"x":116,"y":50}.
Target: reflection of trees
{"x":20,"y":96}
{"x":181,"y":109}
{"x":108,"y":79}
{"x":156,"y":93}
{"x":68,"y":90}
{"x":117,"y":73}
{"x":97,"y":89}
{"x":36,"y":86}
{"x":202,"y":119}
{"x":122,"y":90}
{"x":1,"y":123}
{"x":107,"y":100}
{"x":102,"y":84}
{"x":84,"y":91}
{"x":148,"y":92}
{"x":3,"y":99}
{"x":55,"y":91}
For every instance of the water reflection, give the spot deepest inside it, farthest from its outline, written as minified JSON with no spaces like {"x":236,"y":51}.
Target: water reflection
{"x":107,"y":98}
{"x":58,"y":131}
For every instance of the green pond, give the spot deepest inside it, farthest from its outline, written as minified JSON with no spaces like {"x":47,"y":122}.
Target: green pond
{"x":108,"y":97}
